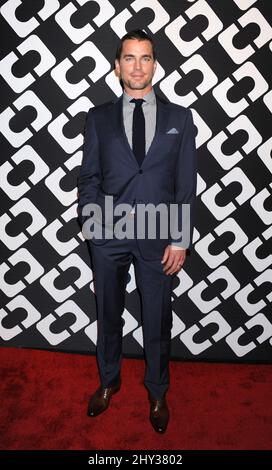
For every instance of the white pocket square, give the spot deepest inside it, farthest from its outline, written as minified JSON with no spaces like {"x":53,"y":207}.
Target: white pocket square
{"x":173,"y":131}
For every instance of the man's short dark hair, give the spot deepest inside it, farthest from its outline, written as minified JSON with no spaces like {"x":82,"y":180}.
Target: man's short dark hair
{"x":135,"y":34}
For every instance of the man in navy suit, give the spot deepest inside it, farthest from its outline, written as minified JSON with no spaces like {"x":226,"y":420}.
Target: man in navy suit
{"x":139,"y":150}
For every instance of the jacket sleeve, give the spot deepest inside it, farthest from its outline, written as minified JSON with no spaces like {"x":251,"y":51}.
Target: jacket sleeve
{"x":185,"y":185}
{"x":89,"y":178}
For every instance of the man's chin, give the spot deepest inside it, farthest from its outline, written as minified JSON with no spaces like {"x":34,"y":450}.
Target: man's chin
{"x":137,"y":86}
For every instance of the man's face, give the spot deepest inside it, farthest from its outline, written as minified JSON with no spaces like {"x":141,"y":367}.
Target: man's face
{"x":136,"y":66}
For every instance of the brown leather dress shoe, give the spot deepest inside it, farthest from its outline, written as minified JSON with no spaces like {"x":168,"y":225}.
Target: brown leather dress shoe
{"x":159,"y":414}
{"x":100,"y":401}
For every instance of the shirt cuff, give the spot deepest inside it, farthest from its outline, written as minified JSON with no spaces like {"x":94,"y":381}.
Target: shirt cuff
{"x":177,"y":248}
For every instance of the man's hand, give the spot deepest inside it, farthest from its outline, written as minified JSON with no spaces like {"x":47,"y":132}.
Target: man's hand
{"x":173,"y":258}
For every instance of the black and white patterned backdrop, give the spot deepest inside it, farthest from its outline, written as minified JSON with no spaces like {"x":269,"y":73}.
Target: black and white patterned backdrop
{"x":57,"y":62}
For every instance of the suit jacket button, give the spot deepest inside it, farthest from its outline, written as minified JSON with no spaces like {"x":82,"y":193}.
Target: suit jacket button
{"x":140,"y":171}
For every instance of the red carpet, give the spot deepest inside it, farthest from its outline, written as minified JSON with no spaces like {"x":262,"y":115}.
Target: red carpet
{"x":44,"y":398}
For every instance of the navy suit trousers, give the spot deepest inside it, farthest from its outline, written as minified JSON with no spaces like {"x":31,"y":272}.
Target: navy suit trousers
{"x":111,"y":263}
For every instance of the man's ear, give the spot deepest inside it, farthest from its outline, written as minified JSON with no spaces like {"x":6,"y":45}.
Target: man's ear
{"x":117,"y":67}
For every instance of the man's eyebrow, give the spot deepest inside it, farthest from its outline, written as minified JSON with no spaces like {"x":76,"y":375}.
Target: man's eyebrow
{"x":132,"y":55}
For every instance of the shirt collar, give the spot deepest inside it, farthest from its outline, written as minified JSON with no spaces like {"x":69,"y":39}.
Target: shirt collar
{"x":150,"y":97}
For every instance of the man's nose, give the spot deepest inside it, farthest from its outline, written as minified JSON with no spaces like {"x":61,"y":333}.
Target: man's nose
{"x":138,"y":64}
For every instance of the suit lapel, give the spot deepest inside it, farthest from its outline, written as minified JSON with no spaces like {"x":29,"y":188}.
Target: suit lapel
{"x":119,"y":128}
{"x":118,"y":121}
{"x":161,"y":117}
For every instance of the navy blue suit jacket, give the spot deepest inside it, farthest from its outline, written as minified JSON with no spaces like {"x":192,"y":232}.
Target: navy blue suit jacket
{"x":167,"y":174}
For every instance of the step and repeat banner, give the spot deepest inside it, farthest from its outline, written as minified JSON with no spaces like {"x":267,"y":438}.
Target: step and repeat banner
{"x":56,"y":62}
